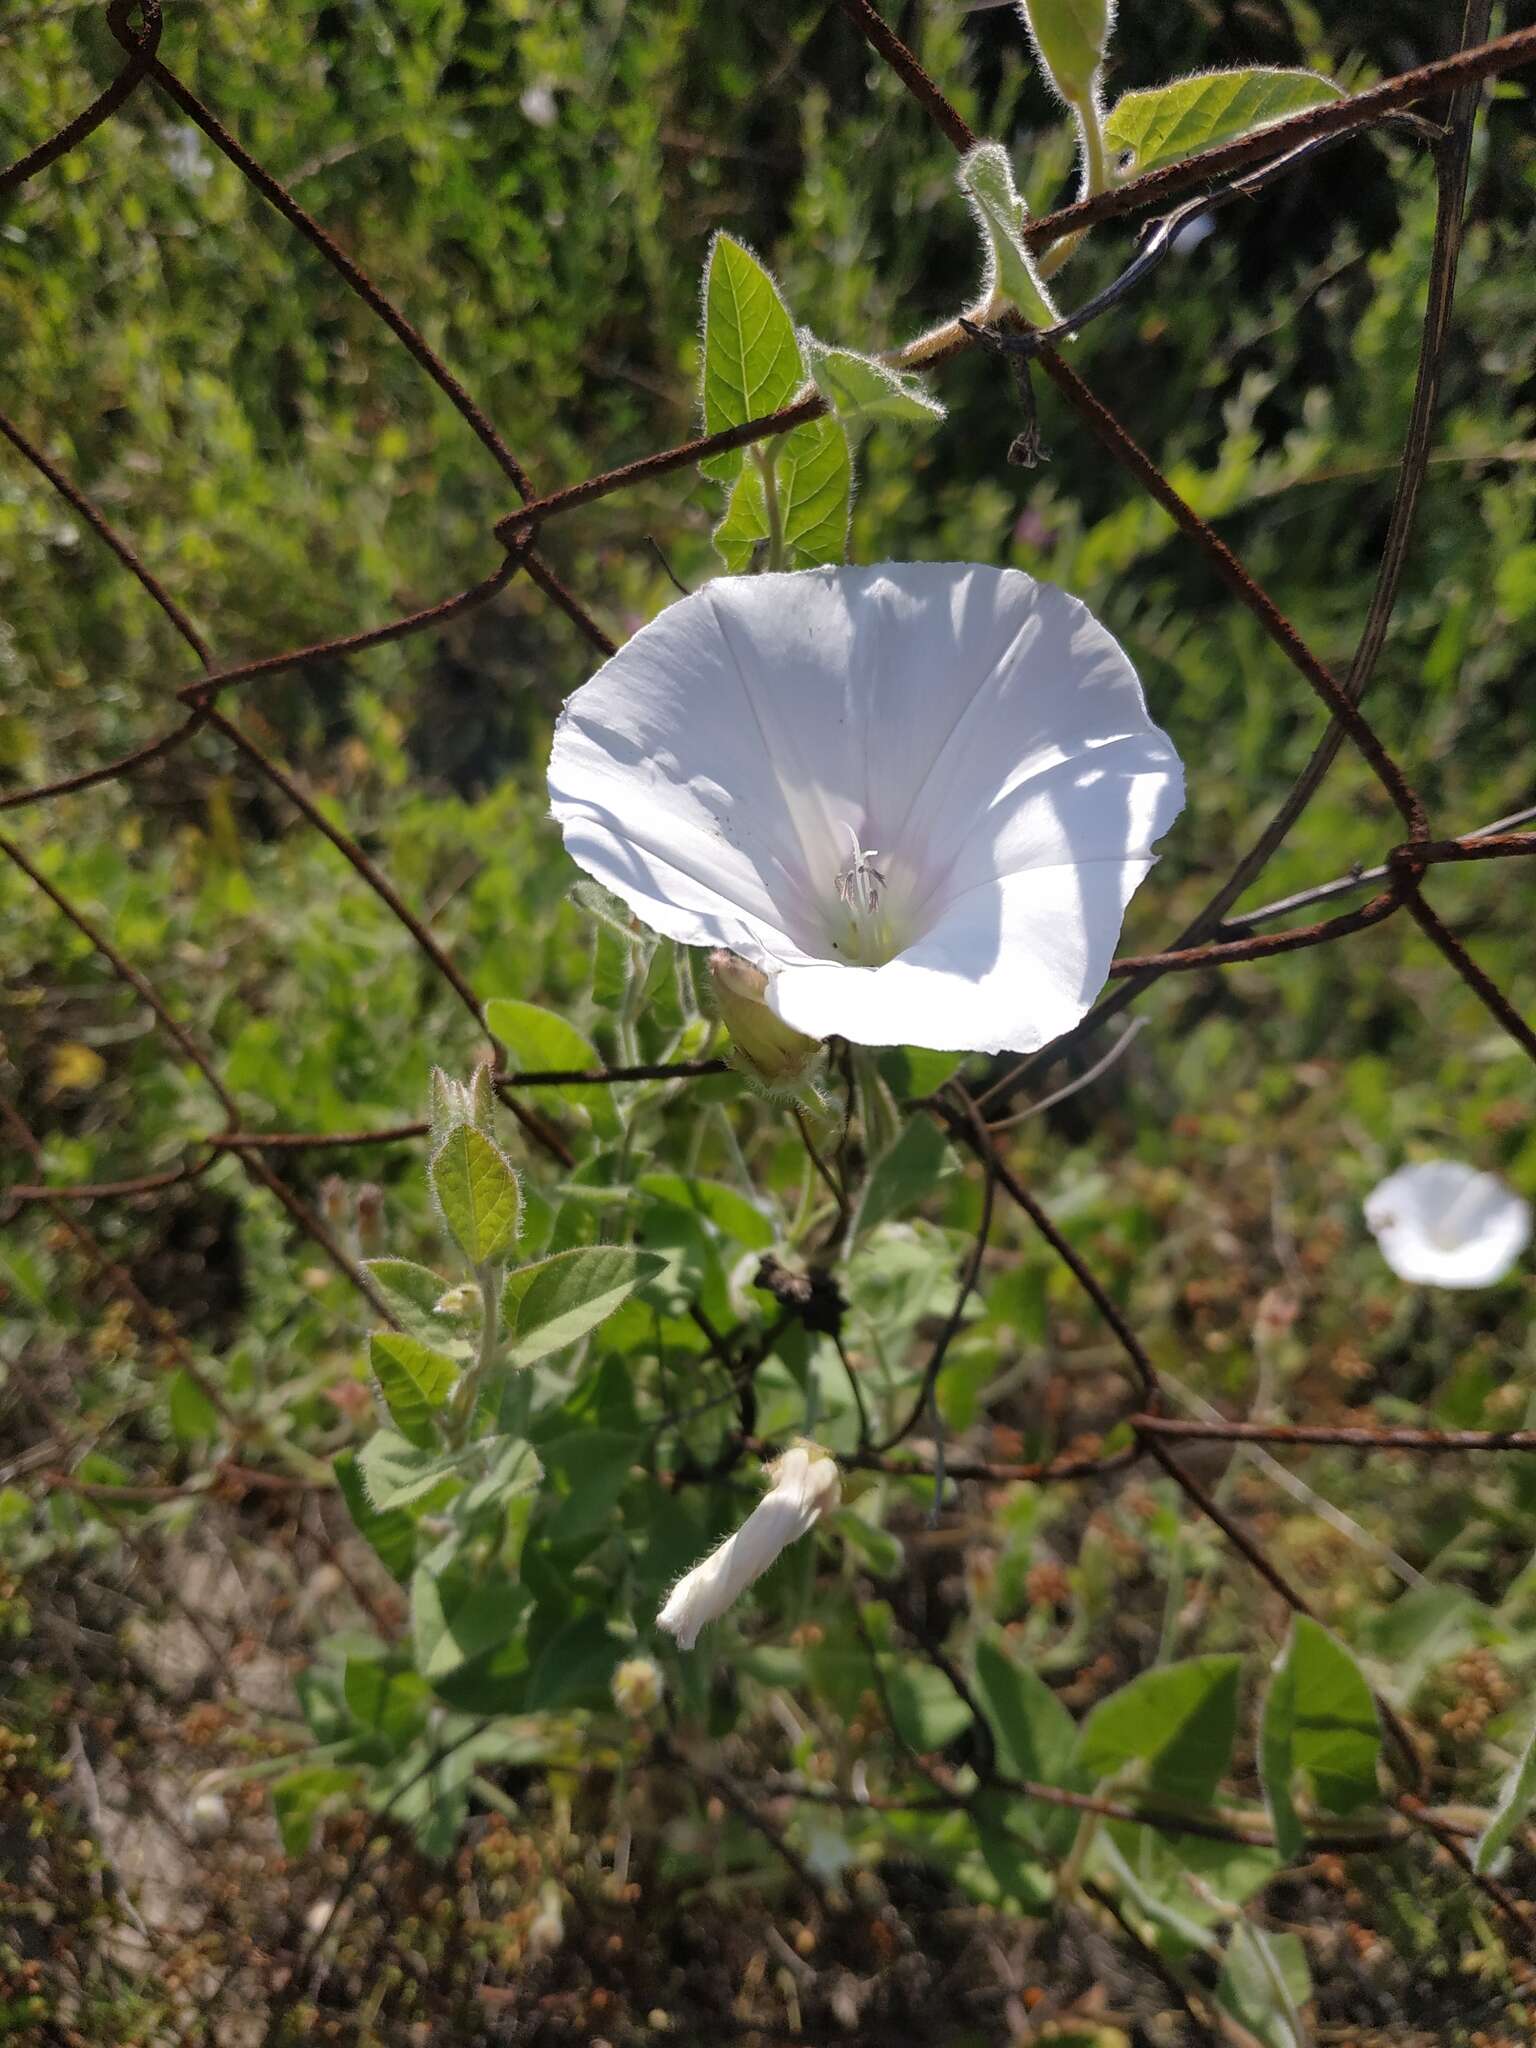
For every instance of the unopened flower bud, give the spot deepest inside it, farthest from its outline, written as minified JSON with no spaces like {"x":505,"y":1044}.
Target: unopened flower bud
{"x":769,"y":1048}
{"x":1274,"y":1316}
{"x":463,"y":1300}
{"x":334,"y":1205}
{"x":637,"y":1687}
{"x":370,"y":1217}
{"x":805,"y":1487}
{"x":546,"y":1930}
{"x":207,"y":1816}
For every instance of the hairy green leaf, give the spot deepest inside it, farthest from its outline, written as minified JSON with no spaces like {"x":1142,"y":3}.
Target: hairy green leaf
{"x":477,"y":1189}
{"x":813,"y":479}
{"x":456,"y":1613}
{"x":861,"y":389}
{"x":590,"y":1468}
{"x":559,"y":1300}
{"x":986,"y":179}
{"x":925,"y":1707}
{"x":1163,"y":123}
{"x":752,"y":362}
{"x":413,"y":1380}
{"x":390,"y":1531}
{"x":391,"y":1705}
{"x":399,"y":1474}
{"x":413,"y":1293}
{"x":1070,"y":36}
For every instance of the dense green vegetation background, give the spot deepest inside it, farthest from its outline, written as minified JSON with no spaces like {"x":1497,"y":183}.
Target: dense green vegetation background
{"x":537,"y":188}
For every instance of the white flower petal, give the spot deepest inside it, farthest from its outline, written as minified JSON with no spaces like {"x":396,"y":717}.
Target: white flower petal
{"x":1007,"y":968}
{"x":951,"y":726}
{"x":1440,"y":1223}
{"x":805,"y":1485}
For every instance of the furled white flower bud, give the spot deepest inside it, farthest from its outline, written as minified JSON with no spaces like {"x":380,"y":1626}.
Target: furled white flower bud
{"x":768,"y":1047}
{"x":207,"y":1816}
{"x":637,"y":1687}
{"x":546,"y":1930}
{"x":805,"y":1487}
{"x":463,"y":1300}
{"x":370,"y":1217}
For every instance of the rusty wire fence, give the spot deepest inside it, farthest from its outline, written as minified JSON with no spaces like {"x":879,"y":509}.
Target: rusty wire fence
{"x":1440,"y":103}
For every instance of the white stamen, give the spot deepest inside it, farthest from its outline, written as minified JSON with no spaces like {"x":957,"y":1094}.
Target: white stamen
{"x":859,"y":884}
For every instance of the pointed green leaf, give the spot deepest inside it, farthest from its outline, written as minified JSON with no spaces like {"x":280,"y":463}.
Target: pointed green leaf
{"x":813,"y":476}
{"x":986,"y":179}
{"x":1165,"y":123}
{"x":477,"y":1191}
{"x":1179,"y":1720}
{"x":1320,"y":1719}
{"x":925,"y":1707}
{"x":391,"y":1705}
{"x":399,"y":1475}
{"x":860,"y":389}
{"x":1514,"y":1804}
{"x":299,"y":1799}
{"x":729,"y":1211}
{"x":752,"y":363}
{"x":557,"y":1301}
{"x":456,"y":1614}
{"x":193,"y":1415}
{"x":912,"y":1070}
{"x":1036,"y":1737}
{"x":745,"y":525}
{"x":881,"y":1551}
{"x":903,"y":1174}
{"x":391,"y":1532}
{"x":1265,"y":1983}
{"x":815,"y":473}
{"x":1070,"y":36}
{"x":413,"y":1381}
{"x":413,"y":1293}
{"x":1019,"y":1877}
{"x":538,"y":1040}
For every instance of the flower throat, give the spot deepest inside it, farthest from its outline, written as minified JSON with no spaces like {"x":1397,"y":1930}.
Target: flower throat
{"x":864,"y":935}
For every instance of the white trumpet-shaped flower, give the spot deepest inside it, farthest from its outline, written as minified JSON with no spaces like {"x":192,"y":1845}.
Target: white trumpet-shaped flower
{"x":805,"y":1486}
{"x":1443,"y":1224}
{"x":918,"y":797}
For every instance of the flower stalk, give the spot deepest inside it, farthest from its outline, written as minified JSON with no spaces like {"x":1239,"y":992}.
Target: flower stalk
{"x":765,"y":455}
